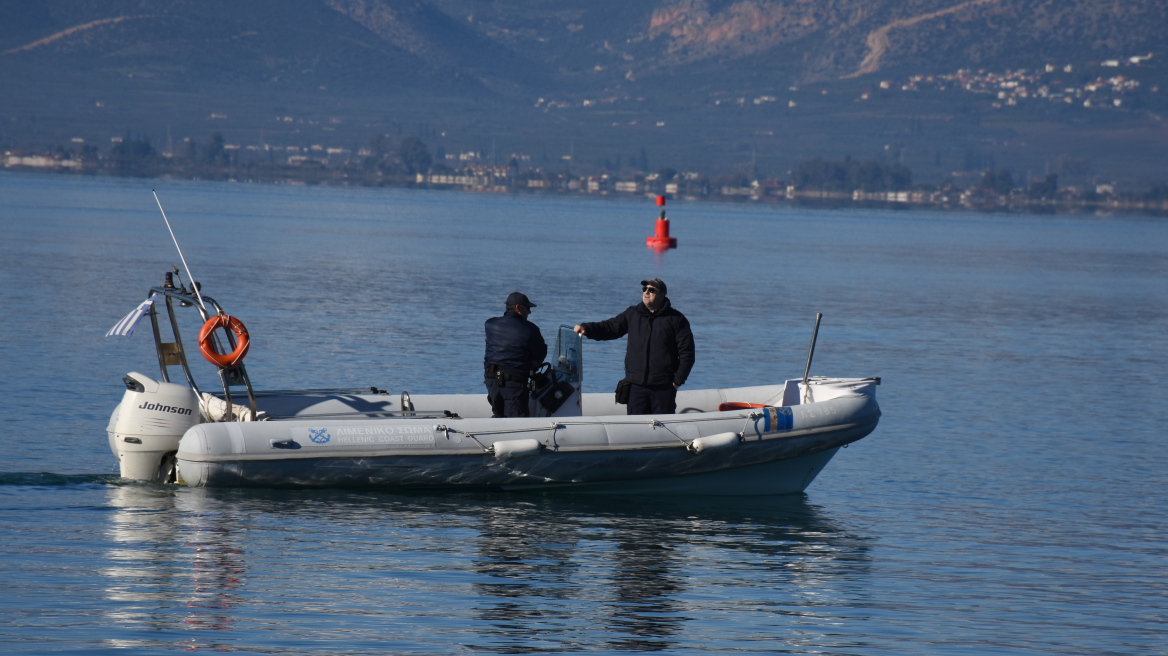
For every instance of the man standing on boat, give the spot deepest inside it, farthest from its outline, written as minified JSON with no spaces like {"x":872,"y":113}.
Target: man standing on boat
{"x":515,"y":348}
{"x":660,"y":351}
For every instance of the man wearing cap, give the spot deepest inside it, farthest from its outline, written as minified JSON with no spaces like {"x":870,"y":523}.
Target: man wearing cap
{"x":515,"y":347}
{"x":660,"y":351}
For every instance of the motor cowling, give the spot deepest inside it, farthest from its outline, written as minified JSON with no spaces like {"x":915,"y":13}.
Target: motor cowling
{"x":147,"y":425}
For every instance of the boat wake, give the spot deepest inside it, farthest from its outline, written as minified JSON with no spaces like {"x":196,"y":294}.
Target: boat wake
{"x":50,"y":479}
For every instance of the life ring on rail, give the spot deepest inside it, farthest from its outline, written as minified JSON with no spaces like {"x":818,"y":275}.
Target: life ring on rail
{"x":207,"y":343}
{"x":738,"y":405}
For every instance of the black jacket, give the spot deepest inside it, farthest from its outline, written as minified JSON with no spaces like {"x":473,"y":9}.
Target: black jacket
{"x":661,"y":345}
{"x":514,"y":344}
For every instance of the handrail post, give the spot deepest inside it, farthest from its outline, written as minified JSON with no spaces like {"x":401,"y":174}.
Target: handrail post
{"x":810,"y":354}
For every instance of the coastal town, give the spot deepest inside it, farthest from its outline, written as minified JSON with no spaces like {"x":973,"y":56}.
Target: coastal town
{"x":1106,"y":84}
{"x":411,"y":165}
{"x":407,"y":161}
{"x":1117,"y":88}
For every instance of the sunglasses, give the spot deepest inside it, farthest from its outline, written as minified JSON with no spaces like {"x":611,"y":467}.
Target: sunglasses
{"x":651,"y":290}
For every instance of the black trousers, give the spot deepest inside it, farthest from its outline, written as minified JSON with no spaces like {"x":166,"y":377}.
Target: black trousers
{"x":508,"y":400}
{"x":652,"y":400}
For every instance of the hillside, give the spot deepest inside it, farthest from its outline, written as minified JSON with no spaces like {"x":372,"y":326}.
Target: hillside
{"x":692,"y":83}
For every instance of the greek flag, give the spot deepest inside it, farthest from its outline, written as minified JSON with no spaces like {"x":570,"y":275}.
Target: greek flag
{"x":125,"y":327}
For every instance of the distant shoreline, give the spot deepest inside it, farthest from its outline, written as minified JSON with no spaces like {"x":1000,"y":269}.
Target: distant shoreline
{"x":943,"y":200}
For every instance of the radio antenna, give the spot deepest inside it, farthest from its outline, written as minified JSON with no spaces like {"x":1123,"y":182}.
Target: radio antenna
{"x":190,"y":276}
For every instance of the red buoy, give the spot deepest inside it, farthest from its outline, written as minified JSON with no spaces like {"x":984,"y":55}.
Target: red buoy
{"x":661,"y":240}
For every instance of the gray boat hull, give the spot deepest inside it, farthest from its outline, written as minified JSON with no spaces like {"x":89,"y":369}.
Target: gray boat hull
{"x":773,"y":450}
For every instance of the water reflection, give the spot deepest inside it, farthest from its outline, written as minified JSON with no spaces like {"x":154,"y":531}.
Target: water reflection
{"x":623,"y":572}
{"x":217,"y":565}
{"x":644,"y":612}
{"x":529,"y":571}
{"x":140,"y":564}
{"x":506,"y":573}
{"x":172,"y":563}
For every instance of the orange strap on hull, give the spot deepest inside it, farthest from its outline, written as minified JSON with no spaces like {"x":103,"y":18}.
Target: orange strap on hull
{"x":738,"y":405}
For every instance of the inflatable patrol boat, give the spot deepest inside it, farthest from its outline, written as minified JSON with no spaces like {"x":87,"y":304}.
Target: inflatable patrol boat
{"x":769,"y":439}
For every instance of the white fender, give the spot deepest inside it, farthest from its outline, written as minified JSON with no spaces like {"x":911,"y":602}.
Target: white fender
{"x":717,"y":441}
{"x":515,"y":448}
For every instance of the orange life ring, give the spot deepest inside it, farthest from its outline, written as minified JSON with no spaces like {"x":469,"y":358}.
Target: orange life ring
{"x":738,"y":405}
{"x":207,"y":343}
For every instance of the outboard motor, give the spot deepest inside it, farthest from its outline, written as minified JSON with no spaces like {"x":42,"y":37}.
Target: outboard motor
{"x":145,"y":428}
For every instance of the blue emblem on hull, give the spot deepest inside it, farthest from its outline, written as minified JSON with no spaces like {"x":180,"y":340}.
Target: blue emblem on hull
{"x":319,"y":436}
{"x":777,"y":419}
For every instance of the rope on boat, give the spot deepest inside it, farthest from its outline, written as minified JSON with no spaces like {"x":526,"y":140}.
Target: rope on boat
{"x":655,"y":423}
{"x":749,"y":418}
{"x":553,"y":444}
{"x":445,"y":414}
{"x":366,"y":414}
{"x":474,"y":436}
{"x":753,"y":415}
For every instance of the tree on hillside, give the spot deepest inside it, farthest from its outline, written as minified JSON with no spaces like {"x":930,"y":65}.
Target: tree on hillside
{"x":214,"y":153}
{"x":88,"y":154}
{"x":735,"y":179}
{"x":380,"y":147}
{"x":850,"y":175}
{"x":1157,"y":192}
{"x":1000,"y":182}
{"x":132,"y":156}
{"x":1045,"y":188}
{"x":414,"y":155}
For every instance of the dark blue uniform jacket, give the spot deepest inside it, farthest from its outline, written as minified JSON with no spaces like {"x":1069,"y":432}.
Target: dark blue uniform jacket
{"x":661,"y":345}
{"x":514,"y":344}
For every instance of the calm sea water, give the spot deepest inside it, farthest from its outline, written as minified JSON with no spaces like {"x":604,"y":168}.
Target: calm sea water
{"x":1012,"y":500}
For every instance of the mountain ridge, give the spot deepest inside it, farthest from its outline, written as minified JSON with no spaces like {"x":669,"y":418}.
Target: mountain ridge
{"x":575,"y":77}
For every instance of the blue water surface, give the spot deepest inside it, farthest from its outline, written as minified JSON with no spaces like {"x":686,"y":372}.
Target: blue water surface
{"x":1012,"y":500}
